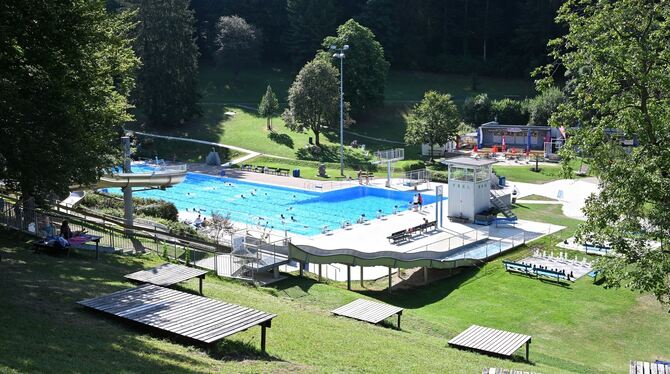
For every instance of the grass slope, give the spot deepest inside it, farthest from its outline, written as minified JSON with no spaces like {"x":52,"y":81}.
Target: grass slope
{"x":581,"y":329}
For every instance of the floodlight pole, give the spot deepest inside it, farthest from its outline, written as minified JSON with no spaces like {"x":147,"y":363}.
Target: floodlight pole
{"x":341,"y":55}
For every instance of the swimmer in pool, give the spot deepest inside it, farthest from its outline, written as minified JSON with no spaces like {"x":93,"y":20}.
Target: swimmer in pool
{"x":282,"y":216}
{"x":242,"y":196}
{"x":293,"y":219}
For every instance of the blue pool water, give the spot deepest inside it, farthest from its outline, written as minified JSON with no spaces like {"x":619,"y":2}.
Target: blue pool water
{"x":265,"y":204}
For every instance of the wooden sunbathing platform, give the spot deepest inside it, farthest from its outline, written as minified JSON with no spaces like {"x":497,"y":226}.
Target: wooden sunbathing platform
{"x":368,"y":311}
{"x":184,"y":314}
{"x":641,"y":367}
{"x":485,"y":339}
{"x":167,"y":275}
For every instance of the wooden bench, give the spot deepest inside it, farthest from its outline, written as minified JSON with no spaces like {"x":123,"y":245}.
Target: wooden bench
{"x":258,"y":169}
{"x":399,"y":236}
{"x":246,"y":167}
{"x":283,"y":172}
{"x":272,"y":171}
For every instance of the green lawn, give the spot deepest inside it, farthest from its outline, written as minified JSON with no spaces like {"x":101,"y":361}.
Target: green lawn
{"x":583,"y":328}
{"x":526,"y":173}
{"x":538,"y":198}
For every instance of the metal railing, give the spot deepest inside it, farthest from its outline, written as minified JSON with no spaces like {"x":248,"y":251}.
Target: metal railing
{"x":117,"y":237}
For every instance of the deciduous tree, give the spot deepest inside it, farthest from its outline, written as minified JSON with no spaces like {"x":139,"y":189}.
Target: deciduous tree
{"x":67,"y":68}
{"x":237,"y":43}
{"x":617,"y":58}
{"x":313,"y":99}
{"x":365,"y":68}
{"x":435,"y":120}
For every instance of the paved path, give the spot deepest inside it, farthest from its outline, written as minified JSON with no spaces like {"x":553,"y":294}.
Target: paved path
{"x":574,"y":193}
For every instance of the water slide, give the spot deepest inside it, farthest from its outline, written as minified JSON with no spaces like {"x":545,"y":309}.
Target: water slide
{"x":166,"y":177}
{"x":160,"y":178}
{"x":429,"y":259}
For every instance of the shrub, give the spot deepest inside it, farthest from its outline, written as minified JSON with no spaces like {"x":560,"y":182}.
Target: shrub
{"x":542,"y":106}
{"x":438,"y":176}
{"x":159,"y":209}
{"x":477,"y":109}
{"x":180,"y":228}
{"x":407,"y":165}
{"x":510,"y":112}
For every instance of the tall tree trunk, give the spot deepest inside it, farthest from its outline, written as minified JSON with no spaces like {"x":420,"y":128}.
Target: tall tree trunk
{"x":432,"y":146}
{"x":465,"y":29}
{"x":486,"y":27}
{"x":316,"y":138}
{"x":269,"y":125}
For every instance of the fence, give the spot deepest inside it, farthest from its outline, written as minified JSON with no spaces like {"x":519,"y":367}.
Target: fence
{"x":263,"y":247}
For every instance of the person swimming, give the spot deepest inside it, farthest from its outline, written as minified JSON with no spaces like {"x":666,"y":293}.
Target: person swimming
{"x":242,"y":196}
{"x":293,"y":219}
{"x":282,"y":216}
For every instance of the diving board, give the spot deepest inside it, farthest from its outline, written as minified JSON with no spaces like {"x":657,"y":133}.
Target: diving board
{"x":641,"y":367}
{"x":195,"y":317}
{"x":490,"y":340}
{"x":167,"y":275}
{"x":368,"y":311}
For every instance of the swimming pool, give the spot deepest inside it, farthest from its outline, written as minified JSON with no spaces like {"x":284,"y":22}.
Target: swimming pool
{"x":304,"y":212}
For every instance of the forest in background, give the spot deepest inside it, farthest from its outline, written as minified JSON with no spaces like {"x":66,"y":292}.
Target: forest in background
{"x":494,"y":38}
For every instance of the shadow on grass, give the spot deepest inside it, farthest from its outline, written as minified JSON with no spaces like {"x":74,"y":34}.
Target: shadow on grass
{"x":282,"y":139}
{"x":420,"y":296}
{"x":233,"y":350}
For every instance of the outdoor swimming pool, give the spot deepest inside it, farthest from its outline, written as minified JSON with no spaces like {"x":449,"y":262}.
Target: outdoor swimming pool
{"x":304,"y":212}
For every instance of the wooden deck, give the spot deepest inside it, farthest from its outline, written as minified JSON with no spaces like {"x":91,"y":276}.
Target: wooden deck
{"x":641,"y":367}
{"x":184,"y":314}
{"x":490,"y":340}
{"x":167,"y":275}
{"x":368,"y":311}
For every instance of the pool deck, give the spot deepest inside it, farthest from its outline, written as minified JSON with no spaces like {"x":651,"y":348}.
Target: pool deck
{"x":300,"y":183}
{"x":372,"y":237}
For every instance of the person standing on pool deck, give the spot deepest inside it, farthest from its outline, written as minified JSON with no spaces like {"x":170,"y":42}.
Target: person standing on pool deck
{"x":420,"y":201}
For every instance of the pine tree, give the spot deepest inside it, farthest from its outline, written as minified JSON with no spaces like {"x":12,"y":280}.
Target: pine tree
{"x":269,"y":106}
{"x":167,"y":92}
{"x":309,"y":21}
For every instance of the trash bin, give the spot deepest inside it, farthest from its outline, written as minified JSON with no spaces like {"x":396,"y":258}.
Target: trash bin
{"x":501,"y":181}
{"x":296,"y":173}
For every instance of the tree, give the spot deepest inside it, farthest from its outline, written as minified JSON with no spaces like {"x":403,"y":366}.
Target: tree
{"x":617,"y":59}
{"x":269,"y":106}
{"x":542,"y":106}
{"x":237,"y":43}
{"x":365,"y":66}
{"x":309,"y":21}
{"x":167,"y":89}
{"x":510,"y":112}
{"x":313,"y":99}
{"x":435,"y":120}
{"x":67,"y":68}
{"x":477,"y":109}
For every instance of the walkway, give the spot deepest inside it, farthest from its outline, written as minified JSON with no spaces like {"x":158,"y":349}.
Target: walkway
{"x":574,"y":193}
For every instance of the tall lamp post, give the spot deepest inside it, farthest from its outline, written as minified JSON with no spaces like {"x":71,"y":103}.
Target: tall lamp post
{"x":340,"y":54}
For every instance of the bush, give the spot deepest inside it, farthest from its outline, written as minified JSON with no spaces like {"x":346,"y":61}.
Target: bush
{"x":438,"y":176}
{"x":477,"y":109}
{"x":510,"y":112}
{"x":180,"y":228}
{"x":407,"y":165}
{"x":160,"y":209}
{"x":542,"y":106}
